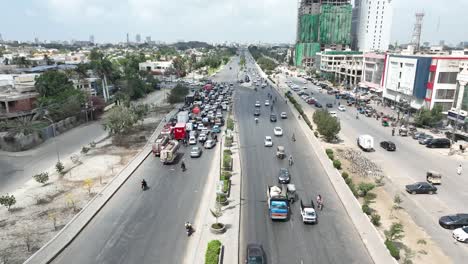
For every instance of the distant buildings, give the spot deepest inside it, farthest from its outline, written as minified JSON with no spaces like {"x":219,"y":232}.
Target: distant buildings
{"x":344,"y":67}
{"x":138,"y":38}
{"x":372,"y":24}
{"x":91,"y":39}
{"x":155,"y":67}
{"x":322,"y":24}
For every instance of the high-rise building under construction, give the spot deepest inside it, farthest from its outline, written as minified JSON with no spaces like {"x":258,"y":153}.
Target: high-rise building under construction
{"x":322,"y":24}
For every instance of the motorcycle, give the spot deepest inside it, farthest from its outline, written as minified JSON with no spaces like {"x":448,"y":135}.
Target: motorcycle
{"x":144,"y":185}
{"x":189,"y":229}
{"x":182,"y":165}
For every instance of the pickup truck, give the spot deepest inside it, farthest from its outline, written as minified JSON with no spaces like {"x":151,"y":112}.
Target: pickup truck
{"x":309,"y":216}
{"x":278,"y":202}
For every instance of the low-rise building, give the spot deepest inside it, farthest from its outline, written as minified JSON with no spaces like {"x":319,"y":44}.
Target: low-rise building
{"x":372,"y":71}
{"x":344,"y":67}
{"x":155,"y":67}
{"x":17,"y":94}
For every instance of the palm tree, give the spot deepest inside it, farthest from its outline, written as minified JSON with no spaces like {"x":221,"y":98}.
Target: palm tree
{"x":103,"y":67}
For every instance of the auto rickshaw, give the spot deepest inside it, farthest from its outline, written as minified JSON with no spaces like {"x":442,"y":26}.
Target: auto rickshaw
{"x":385,"y":121}
{"x":292,"y":194}
{"x":434,"y":177}
{"x":280,"y":152}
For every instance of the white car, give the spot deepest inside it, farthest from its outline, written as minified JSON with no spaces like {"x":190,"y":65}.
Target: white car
{"x":267,"y":102}
{"x":192,"y":141}
{"x":202,"y":138}
{"x":257,"y":104}
{"x":342,"y":108}
{"x":333,"y":114}
{"x":461,"y":234}
{"x":209,"y":144}
{"x":284,"y":115}
{"x":268,"y":141}
{"x":278,"y":131}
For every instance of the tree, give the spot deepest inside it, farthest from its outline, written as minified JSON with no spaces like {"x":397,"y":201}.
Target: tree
{"x":42,"y":177}
{"x":327,"y":126}
{"x":119,"y":120}
{"x":428,"y":117}
{"x":179,"y":65}
{"x":178,"y":94}
{"x":140,"y":111}
{"x":8,"y":201}
{"x":52,"y":83}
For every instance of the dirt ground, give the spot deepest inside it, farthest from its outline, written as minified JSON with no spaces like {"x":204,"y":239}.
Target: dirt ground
{"x":42,"y":210}
{"x":416,"y":245}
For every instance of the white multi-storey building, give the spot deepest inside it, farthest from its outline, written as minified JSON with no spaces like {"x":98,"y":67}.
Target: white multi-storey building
{"x":373,"y":24}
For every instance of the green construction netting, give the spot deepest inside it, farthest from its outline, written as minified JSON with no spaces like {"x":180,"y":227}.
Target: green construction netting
{"x":335,"y":24}
{"x":306,"y":50}
{"x":309,"y":28}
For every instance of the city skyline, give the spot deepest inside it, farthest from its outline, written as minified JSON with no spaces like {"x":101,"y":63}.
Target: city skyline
{"x":270,"y":21}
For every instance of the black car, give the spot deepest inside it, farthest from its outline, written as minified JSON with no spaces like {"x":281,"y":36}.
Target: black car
{"x":453,"y":221}
{"x":257,"y":112}
{"x":284,"y":177}
{"x":318,"y":105}
{"x":421,"y":187}
{"x":273,"y":118}
{"x":255,"y":254}
{"x":388,"y":145}
{"x":329,"y":105}
{"x":439,"y":143}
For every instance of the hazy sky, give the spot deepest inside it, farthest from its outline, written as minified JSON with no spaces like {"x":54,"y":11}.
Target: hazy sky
{"x":205,"y":20}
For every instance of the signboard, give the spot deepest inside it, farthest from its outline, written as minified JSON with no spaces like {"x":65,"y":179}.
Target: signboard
{"x":458,"y":115}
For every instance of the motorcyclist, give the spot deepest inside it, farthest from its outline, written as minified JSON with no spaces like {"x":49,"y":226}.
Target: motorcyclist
{"x":256,"y":120}
{"x":293,"y":137}
{"x":393,"y":131}
{"x":144,"y":184}
{"x":299,"y":116}
{"x":320,"y":202}
{"x":291,"y":160}
{"x":188,"y":227}
{"x":182,"y":165}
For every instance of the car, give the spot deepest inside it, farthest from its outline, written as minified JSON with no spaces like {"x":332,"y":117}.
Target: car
{"x":284,"y":177}
{"x":418,"y":135}
{"x":200,"y":127}
{"x":333,"y":114}
{"x":268,"y":141}
{"x":284,"y":115}
{"x":311,"y":101}
{"x":421,"y":188}
{"x":329,"y":105}
{"x":342,"y":108}
{"x":318,"y":105}
{"x":278,"y":131}
{"x":461,"y":234}
{"x":255,"y":254}
{"x":210,"y":143}
{"x":202,"y":138}
{"x":267,"y":102}
{"x":257,"y":104}
{"x":192,"y":141}
{"x":216,"y":129}
{"x":424,"y":140}
{"x":195,"y":152}
{"x":273,"y":118}
{"x":453,"y":221}
{"x":388,"y":145}
{"x":439,"y":143}
{"x":257,"y":112}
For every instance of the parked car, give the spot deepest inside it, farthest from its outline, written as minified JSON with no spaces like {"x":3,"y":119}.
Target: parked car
{"x":318,"y":105}
{"x":329,"y":105}
{"x":278,"y":131}
{"x":424,"y":140}
{"x":342,"y":108}
{"x":209,"y":144}
{"x":273,"y":118}
{"x":255,"y":254}
{"x":418,"y":135}
{"x":268,"y":141}
{"x":284,"y":115}
{"x":195,"y":152}
{"x":284,"y":177}
{"x":461,"y":234}
{"x":439,"y":143}
{"x":421,"y":188}
{"x":388,"y":145}
{"x":453,"y":221}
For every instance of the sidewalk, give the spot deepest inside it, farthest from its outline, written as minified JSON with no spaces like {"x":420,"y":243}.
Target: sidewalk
{"x":50,"y":250}
{"x":197,"y":246}
{"x":368,"y":233}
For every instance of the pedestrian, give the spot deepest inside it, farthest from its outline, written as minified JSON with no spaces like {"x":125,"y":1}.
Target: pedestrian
{"x":459,"y":170}
{"x":393,"y":131}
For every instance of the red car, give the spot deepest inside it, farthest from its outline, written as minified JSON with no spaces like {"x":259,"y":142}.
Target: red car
{"x":311,"y":101}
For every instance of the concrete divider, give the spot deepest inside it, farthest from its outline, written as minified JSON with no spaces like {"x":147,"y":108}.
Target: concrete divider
{"x":72,"y":229}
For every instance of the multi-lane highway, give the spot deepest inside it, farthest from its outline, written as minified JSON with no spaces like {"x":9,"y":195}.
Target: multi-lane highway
{"x":334,"y":239}
{"x":408,"y":165}
{"x":147,"y":227}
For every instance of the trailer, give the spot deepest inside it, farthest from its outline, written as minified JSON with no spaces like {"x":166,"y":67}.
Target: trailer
{"x":278,"y":203}
{"x":169,"y":153}
{"x":159,"y":144}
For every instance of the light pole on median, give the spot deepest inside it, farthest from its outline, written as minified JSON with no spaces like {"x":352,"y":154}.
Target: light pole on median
{"x":55,"y":135}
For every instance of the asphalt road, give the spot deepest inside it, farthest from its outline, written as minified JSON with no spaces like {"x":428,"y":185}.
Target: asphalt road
{"x":146,"y":227}
{"x":408,"y":164}
{"x":334,"y":239}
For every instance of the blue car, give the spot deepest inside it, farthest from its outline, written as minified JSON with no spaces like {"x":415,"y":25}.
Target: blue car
{"x":215,"y":129}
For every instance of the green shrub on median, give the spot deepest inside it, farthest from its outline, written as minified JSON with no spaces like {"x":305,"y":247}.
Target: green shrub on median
{"x":226,"y":175}
{"x":375,"y":219}
{"x":337,"y":164}
{"x":212,"y":252}
{"x":230,"y":124}
{"x":394,"y":251}
{"x":345,"y":175}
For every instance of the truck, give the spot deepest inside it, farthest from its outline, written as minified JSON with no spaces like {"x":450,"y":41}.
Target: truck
{"x":278,"y":202}
{"x":159,"y":144}
{"x":309,"y":216}
{"x":179,"y":132}
{"x":169,"y":153}
{"x":365,"y":142}
{"x":183,"y":117}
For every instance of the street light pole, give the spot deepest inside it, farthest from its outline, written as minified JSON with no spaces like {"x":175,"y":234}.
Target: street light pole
{"x":55,"y":135}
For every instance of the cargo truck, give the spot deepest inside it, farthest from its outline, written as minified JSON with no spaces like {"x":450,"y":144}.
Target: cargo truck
{"x":179,"y":132}
{"x":169,"y":153}
{"x":183,"y":117}
{"x":278,"y":203}
{"x":159,"y":144}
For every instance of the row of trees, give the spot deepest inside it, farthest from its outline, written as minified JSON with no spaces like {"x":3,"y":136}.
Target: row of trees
{"x":327,"y":126}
